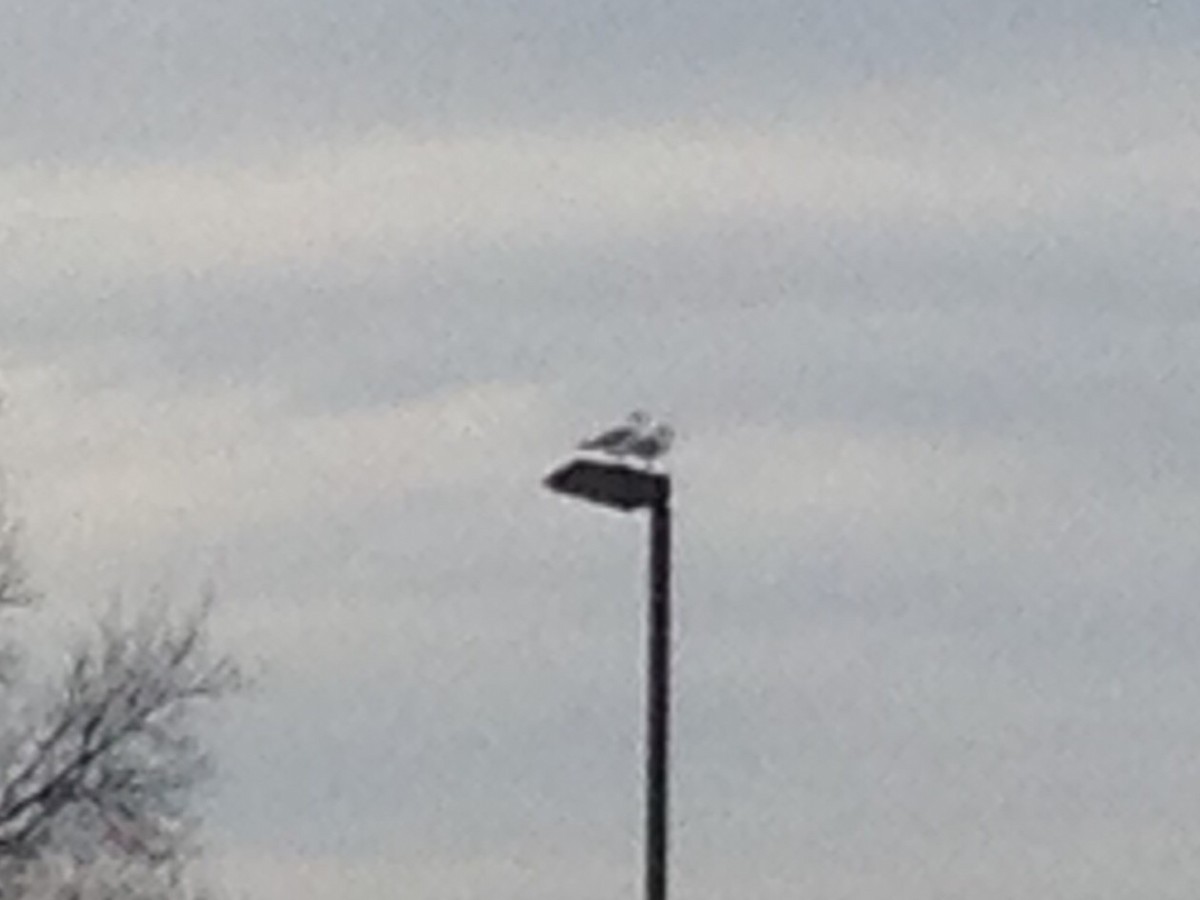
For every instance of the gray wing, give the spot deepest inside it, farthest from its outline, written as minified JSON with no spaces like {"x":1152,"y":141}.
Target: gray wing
{"x":645,"y":447}
{"x":613,"y":439}
{"x":652,"y":445}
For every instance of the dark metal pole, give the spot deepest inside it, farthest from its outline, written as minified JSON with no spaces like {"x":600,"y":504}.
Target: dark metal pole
{"x":658,"y":697}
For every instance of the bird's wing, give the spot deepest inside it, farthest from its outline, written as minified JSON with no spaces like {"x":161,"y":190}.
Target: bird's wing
{"x":651,"y":445}
{"x":609,"y":440}
{"x":644,"y":446}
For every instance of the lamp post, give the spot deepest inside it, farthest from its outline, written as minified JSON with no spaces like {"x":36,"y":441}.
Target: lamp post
{"x":628,"y":490}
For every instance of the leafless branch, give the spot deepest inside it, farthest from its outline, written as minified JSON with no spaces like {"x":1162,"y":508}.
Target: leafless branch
{"x":110,"y":764}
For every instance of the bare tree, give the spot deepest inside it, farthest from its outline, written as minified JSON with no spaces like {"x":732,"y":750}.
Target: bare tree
{"x":98,"y":777}
{"x":99,"y":768}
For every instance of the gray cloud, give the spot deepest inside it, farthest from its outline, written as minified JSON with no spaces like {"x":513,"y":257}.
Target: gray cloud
{"x":136,"y":77}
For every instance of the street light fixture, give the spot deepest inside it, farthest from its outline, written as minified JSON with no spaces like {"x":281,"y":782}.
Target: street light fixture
{"x":628,"y":489}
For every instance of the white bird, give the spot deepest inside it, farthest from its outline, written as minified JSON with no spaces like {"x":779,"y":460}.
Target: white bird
{"x":615,"y":441}
{"x":650,"y":445}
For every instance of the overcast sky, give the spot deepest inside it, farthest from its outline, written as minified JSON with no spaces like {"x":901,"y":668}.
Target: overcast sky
{"x":304,"y":298}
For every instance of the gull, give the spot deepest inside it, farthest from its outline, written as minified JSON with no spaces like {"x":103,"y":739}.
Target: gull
{"x":616,"y":441}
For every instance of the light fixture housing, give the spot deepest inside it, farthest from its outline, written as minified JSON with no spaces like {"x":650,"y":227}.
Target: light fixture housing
{"x":614,"y":485}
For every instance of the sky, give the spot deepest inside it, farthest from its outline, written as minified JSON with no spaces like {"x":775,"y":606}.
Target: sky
{"x":303,"y":299}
